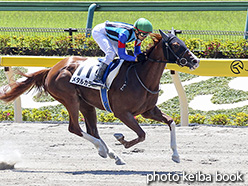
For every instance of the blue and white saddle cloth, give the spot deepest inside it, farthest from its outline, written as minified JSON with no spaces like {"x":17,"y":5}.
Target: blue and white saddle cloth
{"x":85,"y":74}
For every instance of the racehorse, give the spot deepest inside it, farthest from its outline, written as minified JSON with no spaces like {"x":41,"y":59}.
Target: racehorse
{"x":138,"y":95}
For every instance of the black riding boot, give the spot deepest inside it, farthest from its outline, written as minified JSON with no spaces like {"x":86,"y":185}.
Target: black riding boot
{"x":99,"y":74}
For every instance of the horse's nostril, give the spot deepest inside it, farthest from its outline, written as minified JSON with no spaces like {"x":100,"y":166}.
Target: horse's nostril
{"x":194,"y":61}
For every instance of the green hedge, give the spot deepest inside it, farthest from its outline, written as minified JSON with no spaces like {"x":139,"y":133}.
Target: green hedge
{"x":239,"y":119}
{"x":86,"y":46}
{"x":48,"y":46}
{"x":218,"y":48}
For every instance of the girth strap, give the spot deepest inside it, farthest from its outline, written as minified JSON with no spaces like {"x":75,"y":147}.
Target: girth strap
{"x":105,"y":100}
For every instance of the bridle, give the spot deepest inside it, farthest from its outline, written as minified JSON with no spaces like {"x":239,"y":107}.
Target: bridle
{"x":180,"y":60}
{"x":167,"y":50}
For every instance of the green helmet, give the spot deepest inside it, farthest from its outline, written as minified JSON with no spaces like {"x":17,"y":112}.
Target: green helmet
{"x":143,"y":25}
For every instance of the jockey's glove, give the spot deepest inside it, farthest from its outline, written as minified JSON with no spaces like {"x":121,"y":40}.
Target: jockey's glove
{"x":141,"y":57}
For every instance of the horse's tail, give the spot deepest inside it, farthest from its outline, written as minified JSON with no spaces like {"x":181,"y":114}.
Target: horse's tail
{"x":36,"y":79}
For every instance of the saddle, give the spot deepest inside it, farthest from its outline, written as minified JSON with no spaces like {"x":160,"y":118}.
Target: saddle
{"x":85,"y":73}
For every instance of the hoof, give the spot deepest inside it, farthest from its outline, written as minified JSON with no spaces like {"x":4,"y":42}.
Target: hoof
{"x":102,"y":154}
{"x":118,"y":136}
{"x":120,"y":162}
{"x":176,"y":159}
{"x":102,"y":151}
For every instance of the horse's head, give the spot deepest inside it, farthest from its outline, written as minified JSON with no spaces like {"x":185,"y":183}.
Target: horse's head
{"x":175,"y":50}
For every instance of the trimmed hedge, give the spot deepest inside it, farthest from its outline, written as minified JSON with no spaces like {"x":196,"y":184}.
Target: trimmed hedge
{"x":86,"y":46}
{"x":49,"y":46}
{"x":239,"y":119}
{"x":218,"y":48}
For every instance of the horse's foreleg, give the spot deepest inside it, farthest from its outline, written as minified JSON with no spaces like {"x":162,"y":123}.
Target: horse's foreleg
{"x":157,"y":115}
{"x":129,"y":120}
{"x":175,"y":156}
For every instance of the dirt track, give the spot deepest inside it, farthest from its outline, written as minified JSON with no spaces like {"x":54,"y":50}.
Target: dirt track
{"x":49,"y":155}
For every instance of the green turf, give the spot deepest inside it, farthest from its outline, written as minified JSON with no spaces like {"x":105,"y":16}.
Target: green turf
{"x":196,"y":20}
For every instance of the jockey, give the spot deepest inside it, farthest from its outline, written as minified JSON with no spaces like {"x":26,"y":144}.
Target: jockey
{"x":112,"y":38}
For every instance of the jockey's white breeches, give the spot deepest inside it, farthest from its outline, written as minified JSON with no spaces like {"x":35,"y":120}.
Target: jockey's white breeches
{"x":108,"y":46}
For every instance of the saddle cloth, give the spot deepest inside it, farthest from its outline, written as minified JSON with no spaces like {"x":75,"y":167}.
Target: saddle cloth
{"x":85,"y":73}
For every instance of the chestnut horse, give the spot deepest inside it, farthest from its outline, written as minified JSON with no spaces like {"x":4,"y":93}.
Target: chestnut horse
{"x":138,"y":96}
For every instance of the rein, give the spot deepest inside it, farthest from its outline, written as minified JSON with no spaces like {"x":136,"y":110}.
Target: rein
{"x":150,"y":91}
{"x":166,"y":50}
{"x":137,"y":76}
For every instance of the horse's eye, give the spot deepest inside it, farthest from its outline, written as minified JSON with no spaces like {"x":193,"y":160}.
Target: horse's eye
{"x":176,"y":46}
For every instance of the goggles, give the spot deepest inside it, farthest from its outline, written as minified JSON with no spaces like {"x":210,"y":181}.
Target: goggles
{"x":142,"y":34}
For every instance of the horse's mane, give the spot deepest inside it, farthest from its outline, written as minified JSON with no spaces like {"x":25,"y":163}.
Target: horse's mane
{"x":156,"y":38}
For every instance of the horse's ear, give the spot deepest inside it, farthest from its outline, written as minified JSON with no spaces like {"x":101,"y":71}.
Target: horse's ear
{"x":173,"y":31}
{"x":164,"y":35}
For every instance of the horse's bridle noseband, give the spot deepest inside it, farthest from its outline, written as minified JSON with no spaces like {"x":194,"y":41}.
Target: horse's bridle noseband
{"x":167,"y":50}
{"x":180,"y":60}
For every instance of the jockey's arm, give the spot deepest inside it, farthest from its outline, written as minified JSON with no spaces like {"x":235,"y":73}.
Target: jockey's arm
{"x":122,"y":48}
{"x":137,"y":50}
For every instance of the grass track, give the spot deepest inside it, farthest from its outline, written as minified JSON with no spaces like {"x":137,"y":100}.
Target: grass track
{"x":206,"y":20}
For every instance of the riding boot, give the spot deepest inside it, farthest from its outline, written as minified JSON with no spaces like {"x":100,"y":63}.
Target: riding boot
{"x":99,"y":74}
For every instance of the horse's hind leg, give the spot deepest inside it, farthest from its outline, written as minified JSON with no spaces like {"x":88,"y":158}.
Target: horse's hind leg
{"x":89,"y":114}
{"x":157,"y":115}
{"x":90,"y":118}
{"x":57,"y":84}
{"x":72,"y":102}
{"x":73,"y":109}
